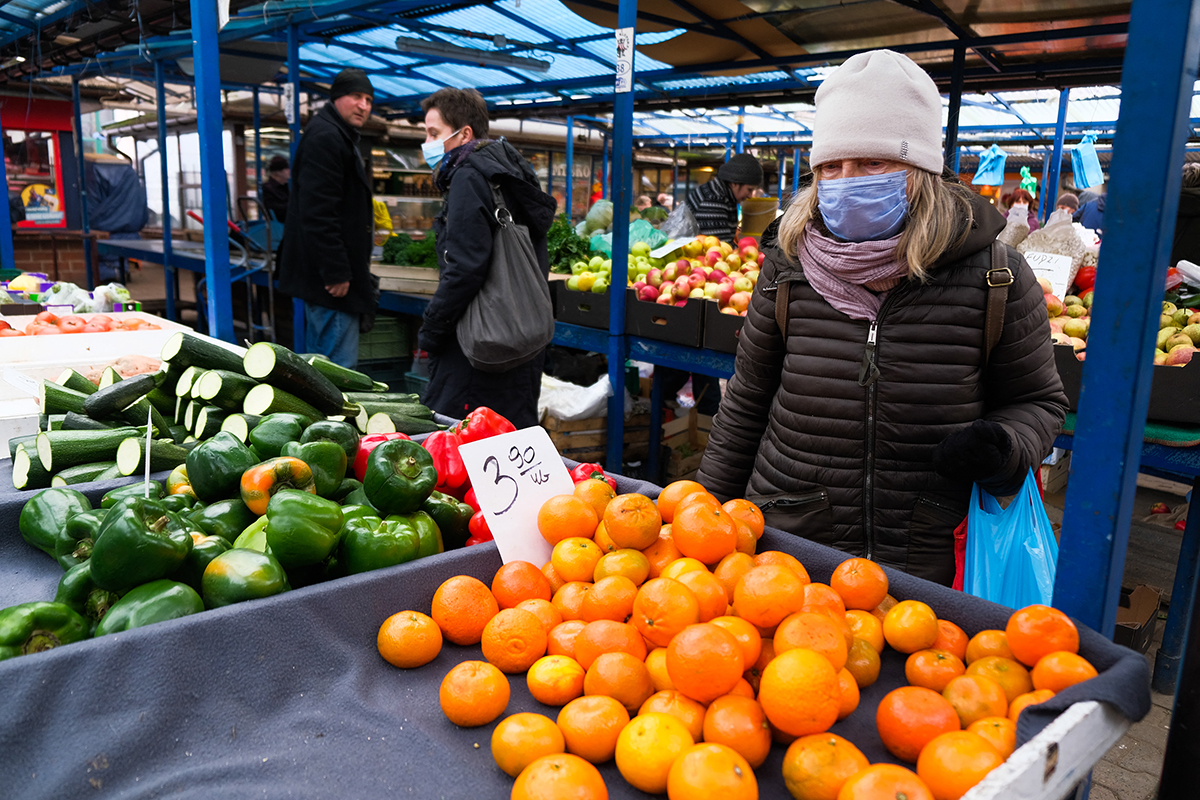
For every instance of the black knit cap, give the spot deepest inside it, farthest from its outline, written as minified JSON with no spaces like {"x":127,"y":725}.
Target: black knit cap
{"x":277,"y":163}
{"x":1067,"y":199}
{"x":349,"y":81}
{"x":742,"y":168}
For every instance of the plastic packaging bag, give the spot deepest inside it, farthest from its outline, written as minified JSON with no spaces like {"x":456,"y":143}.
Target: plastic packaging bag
{"x":1057,"y":237}
{"x":1017,"y":228}
{"x":569,"y":402}
{"x":991,"y":167}
{"x":1011,"y":554}
{"x":1085,"y":164}
{"x":680,"y":223}
{"x":639,"y":231}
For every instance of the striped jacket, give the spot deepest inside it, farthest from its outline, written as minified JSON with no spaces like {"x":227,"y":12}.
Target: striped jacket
{"x":714,"y":209}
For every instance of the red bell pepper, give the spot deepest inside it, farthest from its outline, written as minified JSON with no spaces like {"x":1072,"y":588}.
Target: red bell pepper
{"x":479,"y":530}
{"x":470,"y":499}
{"x":452,"y":473}
{"x":1085,"y":279}
{"x":368,"y":443}
{"x":585,"y":472}
{"x":482,"y":423}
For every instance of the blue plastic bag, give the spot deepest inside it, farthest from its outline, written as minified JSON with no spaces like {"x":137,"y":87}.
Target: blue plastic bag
{"x":991,"y":167}
{"x":1085,"y":164}
{"x":1011,"y":553}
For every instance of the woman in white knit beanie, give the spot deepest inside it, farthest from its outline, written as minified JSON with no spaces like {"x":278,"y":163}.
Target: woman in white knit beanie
{"x":867,"y":398}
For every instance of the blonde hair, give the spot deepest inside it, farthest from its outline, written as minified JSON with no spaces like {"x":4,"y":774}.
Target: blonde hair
{"x":939,"y":220}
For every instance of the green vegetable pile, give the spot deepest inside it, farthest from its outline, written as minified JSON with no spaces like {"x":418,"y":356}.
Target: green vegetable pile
{"x":401,"y":249}
{"x":564,"y":246}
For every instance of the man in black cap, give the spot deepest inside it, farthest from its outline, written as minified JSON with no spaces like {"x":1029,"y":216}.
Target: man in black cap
{"x":275,"y":190}
{"x":715,"y":204}
{"x":326,"y":260}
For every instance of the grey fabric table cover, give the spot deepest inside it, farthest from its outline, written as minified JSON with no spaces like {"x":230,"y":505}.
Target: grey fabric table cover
{"x":288,"y":697}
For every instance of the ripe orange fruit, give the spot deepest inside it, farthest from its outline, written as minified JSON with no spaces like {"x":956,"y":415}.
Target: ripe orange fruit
{"x":738,"y":722}
{"x":861,"y":583}
{"x":704,"y":533}
{"x":746,"y":635}
{"x":656,"y":662}
{"x":866,"y":626}
{"x":1000,"y":732}
{"x":607,"y":636}
{"x":885,"y":781}
{"x":910,"y":626}
{"x":702,"y":497}
{"x":596,"y":493}
{"x":679,"y":705}
{"x":1013,"y":678}
{"x":743,"y":689}
{"x":987,"y":643}
{"x":730,"y":569}
{"x":954,"y":762}
{"x":815,"y":631}
{"x":553,"y":578}
{"x":709,"y":593}
{"x":559,"y":776}
{"x":620,"y":676}
{"x":604,"y":541}
{"x":591,"y":725}
{"x":1023,"y":701}
{"x":462,"y":606}
{"x":753,"y":674}
{"x":704,"y":662}
{"x":932,"y":669}
{"x":1036,"y":630}
{"x":474,"y":693}
{"x":521,"y":739}
{"x":627,"y":563}
{"x":1061,"y":669}
{"x":671,"y":494}
{"x":782,"y":559}
{"x":610,"y":598}
{"x":662,"y":552}
{"x":566,"y":516}
{"x":951,"y":639}
{"x":662,"y":608}
{"x":648,"y":746}
{"x":863,"y":662}
{"x":819,"y":594}
{"x":632,"y":520}
{"x":555,"y":680}
{"x":748,"y":514}
{"x":409,"y":639}
{"x":766,"y":595}
{"x":711,"y":770}
{"x":544,"y":610}
{"x":910,"y":717}
{"x":975,"y":697}
{"x":575,"y":558}
{"x":746,"y":543}
{"x":681,"y":565}
{"x":850,"y":694}
{"x":816,"y":766}
{"x":517,"y":581}
{"x":513,"y":640}
{"x":799,"y":692}
{"x":560,"y":641}
{"x":569,"y":599}
{"x":887,"y":605}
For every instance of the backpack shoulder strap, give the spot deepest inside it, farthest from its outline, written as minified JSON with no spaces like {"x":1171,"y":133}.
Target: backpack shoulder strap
{"x":999,"y":278}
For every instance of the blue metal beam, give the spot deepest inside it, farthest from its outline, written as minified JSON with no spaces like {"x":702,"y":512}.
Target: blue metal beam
{"x":795,"y":171}
{"x":7,"y":254}
{"x":160,"y":96}
{"x":1050,"y":188}
{"x":45,"y":21}
{"x":570,"y":163}
{"x":83,"y":194}
{"x":740,"y":141}
{"x":622,"y":196}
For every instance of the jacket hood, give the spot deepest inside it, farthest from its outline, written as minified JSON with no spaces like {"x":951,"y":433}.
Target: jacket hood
{"x":986,"y":225}
{"x":499,"y":161}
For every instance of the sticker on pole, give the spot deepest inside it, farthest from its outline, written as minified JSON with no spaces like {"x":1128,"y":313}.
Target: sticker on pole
{"x":1054,"y":268}
{"x":289,"y":102}
{"x":624,"y":75}
{"x":513,"y":474}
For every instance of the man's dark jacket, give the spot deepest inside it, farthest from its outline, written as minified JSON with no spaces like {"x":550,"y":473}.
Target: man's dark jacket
{"x":331,"y":220}
{"x":464,"y":231}
{"x":1186,"y":243}
{"x":851,"y":466}
{"x":275,"y":198}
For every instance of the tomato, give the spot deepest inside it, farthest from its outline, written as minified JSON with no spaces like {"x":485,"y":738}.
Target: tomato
{"x":150,"y":326}
{"x":10,"y":332}
{"x":92,"y":327}
{"x":47,"y":330}
{"x":46,"y":318}
{"x":71,"y":324}
{"x":4,"y":325}
{"x":130,"y":324}
{"x":101,"y":318}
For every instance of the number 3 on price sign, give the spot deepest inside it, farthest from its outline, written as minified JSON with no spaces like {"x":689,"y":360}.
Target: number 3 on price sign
{"x":513,"y":475}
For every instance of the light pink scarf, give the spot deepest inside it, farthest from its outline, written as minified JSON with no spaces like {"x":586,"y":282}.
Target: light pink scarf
{"x":844,"y":272}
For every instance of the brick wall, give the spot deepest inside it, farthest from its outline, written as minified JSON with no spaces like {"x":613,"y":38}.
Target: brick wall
{"x":34,"y":251}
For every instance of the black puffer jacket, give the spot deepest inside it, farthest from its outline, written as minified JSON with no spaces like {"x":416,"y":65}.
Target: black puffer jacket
{"x":851,"y":466}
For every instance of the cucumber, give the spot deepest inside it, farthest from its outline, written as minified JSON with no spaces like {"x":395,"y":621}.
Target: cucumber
{"x":81,"y":422}
{"x":164,"y":454}
{"x":84,"y":473}
{"x":285,"y":370}
{"x":348,"y":380}
{"x":59,"y":399}
{"x":17,"y":441}
{"x":185,"y":350}
{"x":178,"y":433}
{"x":162,"y":400}
{"x":208,"y":422}
{"x":223,"y":388}
{"x":117,"y":396}
{"x":240,"y":425}
{"x":415,"y":410}
{"x":61,"y":449}
{"x":395,"y":423}
{"x":183,"y":386}
{"x":73,"y":380}
{"x":28,"y":472}
{"x":382,"y":397}
{"x":267,"y":399}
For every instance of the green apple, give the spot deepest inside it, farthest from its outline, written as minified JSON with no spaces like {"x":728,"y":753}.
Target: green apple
{"x":600,"y":286}
{"x":595,"y":262}
{"x":573,"y":283}
{"x":640,"y":249}
{"x":578,"y":268}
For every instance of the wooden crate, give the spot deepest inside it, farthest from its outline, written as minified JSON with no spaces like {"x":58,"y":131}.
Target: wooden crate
{"x":686,"y":437}
{"x":587,"y":439}
{"x":1054,"y":476}
{"x":410,"y":280}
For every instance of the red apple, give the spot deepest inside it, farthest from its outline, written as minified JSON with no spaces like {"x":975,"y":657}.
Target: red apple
{"x":740,"y":301}
{"x":724,"y":292}
{"x":761,"y":256}
{"x":713,"y":256}
{"x":648,"y":293}
{"x":665,"y":299}
{"x":682,"y":290}
{"x":730,"y":310}
{"x":747,"y":241}
{"x":655,"y":277}
{"x":696,"y":281}
{"x":638,"y":286}
{"x":743,"y":284}
{"x":750,"y":253}
{"x":716,"y":275}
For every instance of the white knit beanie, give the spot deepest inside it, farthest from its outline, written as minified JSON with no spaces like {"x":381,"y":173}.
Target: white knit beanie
{"x":879,"y":104}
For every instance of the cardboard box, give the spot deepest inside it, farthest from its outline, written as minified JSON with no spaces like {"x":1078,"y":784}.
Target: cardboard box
{"x":409,"y":280}
{"x":1174,"y":394}
{"x":581,"y":308}
{"x":686,"y":439}
{"x":721,"y":331}
{"x":1054,"y":476}
{"x":587,"y":439}
{"x":1137,"y":615}
{"x":683,"y":325}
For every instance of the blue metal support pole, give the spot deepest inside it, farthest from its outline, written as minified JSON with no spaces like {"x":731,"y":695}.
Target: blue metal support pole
{"x":740,"y":143}
{"x":293,"y":60}
{"x":956,"y":88}
{"x":795,"y":171}
{"x":83,"y":196}
{"x":781,"y":163}
{"x":570,"y":162}
{"x":213,"y":184}
{"x":1050,"y":187}
{"x":728,"y":145}
{"x":674,"y":174}
{"x":1042,"y":192}
{"x":550,"y":172}
{"x":8,"y":256}
{"x":604,"y":170}
{"x":957,"y":158}
{"x":257,"y":146}
{"x":169,"y":276}
{"x":1158,"y":74}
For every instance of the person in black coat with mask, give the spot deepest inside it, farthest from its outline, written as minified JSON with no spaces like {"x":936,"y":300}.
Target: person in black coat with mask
{"x":465,"y":161}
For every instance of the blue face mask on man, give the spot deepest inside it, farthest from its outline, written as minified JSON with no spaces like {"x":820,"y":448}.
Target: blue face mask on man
{"x":434,"y":151}
{"x":866,"y":208}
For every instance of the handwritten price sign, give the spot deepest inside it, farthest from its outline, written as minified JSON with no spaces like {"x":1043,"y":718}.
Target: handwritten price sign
{"x":513,"y":475}
{"x":1054,"y":268}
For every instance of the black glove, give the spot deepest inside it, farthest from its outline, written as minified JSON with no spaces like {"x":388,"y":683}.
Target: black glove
{"x":976,"y":453}
{"x":431,"y":338}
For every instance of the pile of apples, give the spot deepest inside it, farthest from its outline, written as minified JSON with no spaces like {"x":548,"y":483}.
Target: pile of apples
{"x":708,"y":269}
{"x":1178,"y":335}
{"x":1070,"y":318}
{"x":591,"y":276}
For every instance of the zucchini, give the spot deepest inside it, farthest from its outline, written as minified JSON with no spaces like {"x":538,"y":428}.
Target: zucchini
{"x":17,"y":441}
{"x":82,"y":422}
{"x":162,"y":400}
{"x":51,"y":422}
{"x":240,"y":425}
{"x":285,"y":370}
{"x":183,"y":386}
{"x":28,"y":472}
{"x":185,"y":350}
{"x":117,"y":396}
{"x":73,"y":380}
{"x":415,"y":410}
{"x":382,"y":397}
{"x":84,"y":473}
{"x":208,"y":422}
{"x":109,"y":376}
{"x":344,"y":378}
{"x":180,"y":407}
{"x":189,"y":414}
{"x":59,"y":399}
{"x":267,"y":399}
{"x":394,"y":423}
{"x":223,"y":388}
{"x":166,"y":377}
{"x":164,"y":454}
{"x":61,"y":449}
{"x":109,"y":474}
{"x":178,"y":433}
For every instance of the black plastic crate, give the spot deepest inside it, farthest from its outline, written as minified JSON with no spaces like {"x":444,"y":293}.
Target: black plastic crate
{"x":721,"y":331}
{"x":386,"y":370}
{"x":683,"y":325}
{"x":588,"y":309}
{"x":1174,"y":391}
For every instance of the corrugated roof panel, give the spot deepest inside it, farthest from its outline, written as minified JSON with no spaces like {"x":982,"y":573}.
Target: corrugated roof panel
{"x":607,"y":50}
{"x":555,"y":17}
{"x":403,"y":87}
{"x":333,"y":54}
{"x":463,"y":76}
{"x":723,"y":80}
{"x":482,"y":19}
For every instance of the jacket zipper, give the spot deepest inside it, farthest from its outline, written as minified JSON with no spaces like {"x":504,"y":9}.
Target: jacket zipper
{"x":789,"y":502}
{"x":936,"y":504}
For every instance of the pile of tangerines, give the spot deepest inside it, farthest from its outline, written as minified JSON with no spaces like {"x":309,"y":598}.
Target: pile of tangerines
{"x":671,"y":646}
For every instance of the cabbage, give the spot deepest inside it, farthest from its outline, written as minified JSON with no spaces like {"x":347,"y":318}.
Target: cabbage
{"x":600,"y":215}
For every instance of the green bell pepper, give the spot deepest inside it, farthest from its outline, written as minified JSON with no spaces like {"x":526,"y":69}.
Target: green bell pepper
{"x":179,"y":503}
{"x":215,"y":466}
{"x":157,"y":601}
{"x":358,"y":497}
{"x":204,"y":550}
{"x":452,"y":517}
{"x":224,"y":518}
{"x":34,"y":627}
{"x":274,"y":431}
{"x":131,"y":490}
{"x":237,"y":575}
{"x":302,"y":528}
{"x":44,"y":516}
{"x":343,"y":433}
{"x":254,"y":537}
{"x":79,"y":591}
{"x":139,"y":541}
{"x":327,"y":460}
{"x":344,"y":489}
{"x":372,"y":543}
{"x":400,"y":476}
{"x":78,"y":537}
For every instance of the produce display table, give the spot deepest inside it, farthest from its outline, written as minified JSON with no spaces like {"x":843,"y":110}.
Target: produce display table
{"x":287,"y":696}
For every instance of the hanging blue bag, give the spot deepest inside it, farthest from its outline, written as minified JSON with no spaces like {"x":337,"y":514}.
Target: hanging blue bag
{"x":1085,"y":164}
{"x":1011,"y":552}
{"x":991,"y":167}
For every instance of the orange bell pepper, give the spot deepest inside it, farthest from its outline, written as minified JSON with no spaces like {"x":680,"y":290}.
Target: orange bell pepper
{"x":263,"y":480}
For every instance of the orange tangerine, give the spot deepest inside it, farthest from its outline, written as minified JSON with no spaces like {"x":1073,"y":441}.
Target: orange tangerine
{"x":575,"y":558}
{"x":555,"y":680}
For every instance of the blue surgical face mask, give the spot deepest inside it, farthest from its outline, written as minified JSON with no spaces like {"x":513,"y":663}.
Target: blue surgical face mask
{"x":866,"y":208}
{"x":434,"y":151}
